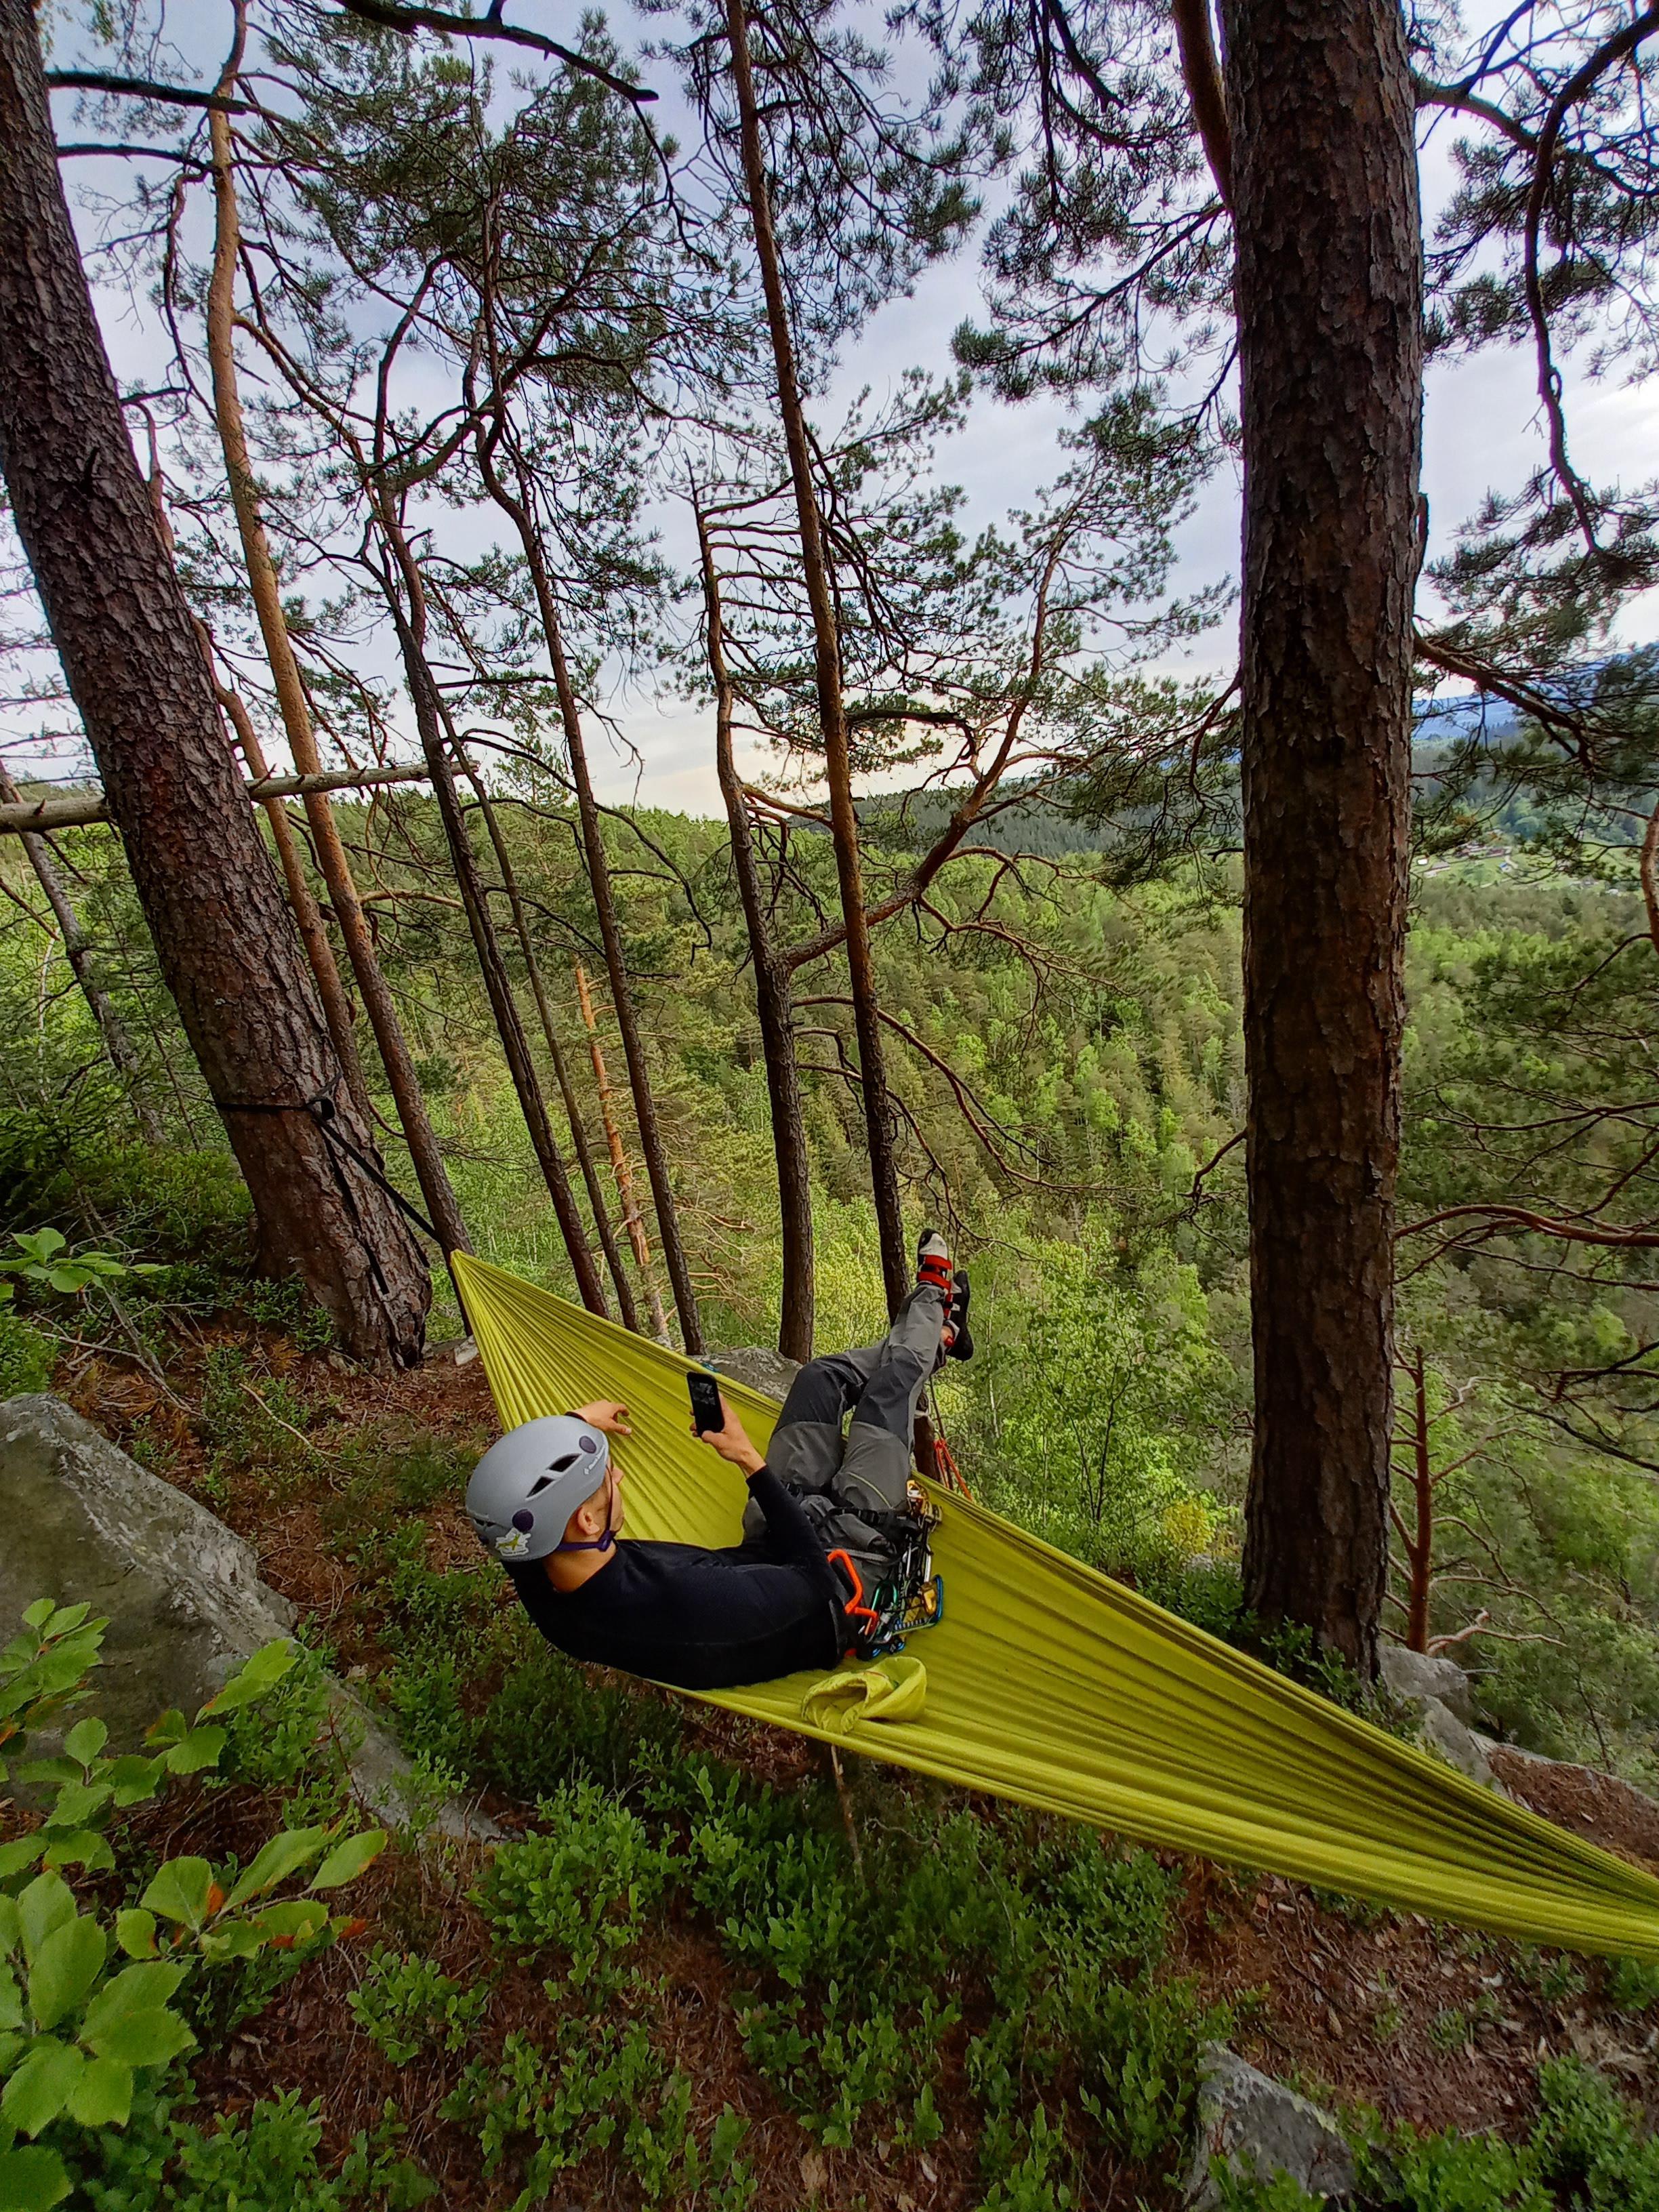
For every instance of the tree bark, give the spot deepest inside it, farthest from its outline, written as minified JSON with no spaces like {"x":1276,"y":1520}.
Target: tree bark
{"x":1329,"y":294}
{"x":78,"y":950}
{"x":418,"y":1133}
{"x":604,"y":901}
{"x":832,"y":707}
{"x":772,"y":999}
{"x":307,"y":915}
{"x":223,"y":934}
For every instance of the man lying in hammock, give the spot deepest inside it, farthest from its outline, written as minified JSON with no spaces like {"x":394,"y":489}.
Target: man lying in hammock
{"x":546,"y":1500}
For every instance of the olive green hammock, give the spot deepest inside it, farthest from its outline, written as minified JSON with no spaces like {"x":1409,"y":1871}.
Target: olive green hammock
{"x":1051,"y":1684}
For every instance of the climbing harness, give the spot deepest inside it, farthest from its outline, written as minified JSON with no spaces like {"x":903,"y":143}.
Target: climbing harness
{"x":903,"y":1596}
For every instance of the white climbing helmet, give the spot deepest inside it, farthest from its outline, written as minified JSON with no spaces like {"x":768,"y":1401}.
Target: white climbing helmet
{"x":529,"y":1483}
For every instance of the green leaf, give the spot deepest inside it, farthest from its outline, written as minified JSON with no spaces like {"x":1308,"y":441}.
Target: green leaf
{"x":32,"y":2180}
{"x":11,"y":1926}
{"x":11,"y":2002}
{"x":231,"y":1939}
{"x":15,"y":1857}
{"x":50,"y":1769}
{"x":150,"y":2038}
{"x":82,"y":1847}
{"x":135,"y":1931}
{"x":169,"y":1728}
{"x":102,"y":2097}
{"x":86,"y":1740}
{"x":64,"y":1968}
{"x":261,"y":1674}
{"x":288,"y":1850}
{"x":77,"y":1803}
{"x":135,"y":1778}
{"x":39,"y":1245}
{"x":178,"y":1891}
{"x":348,"y":1860}
{"x":199,"y":1749}
{"x":46,"y":1904}
{"x":41,"y":2087}
{"x":142,"y":1989}
{"x":298,"y":1919}
{"x":39,"y":1612}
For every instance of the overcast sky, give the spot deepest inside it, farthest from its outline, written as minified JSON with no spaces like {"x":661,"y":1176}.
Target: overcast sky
{"x":1481,"y":433}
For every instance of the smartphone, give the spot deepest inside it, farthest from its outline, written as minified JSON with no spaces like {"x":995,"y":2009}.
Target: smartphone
{"x":705,"y":1391}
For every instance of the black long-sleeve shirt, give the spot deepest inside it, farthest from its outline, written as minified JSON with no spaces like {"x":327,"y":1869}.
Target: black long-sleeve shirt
{"x":699,"y":1619}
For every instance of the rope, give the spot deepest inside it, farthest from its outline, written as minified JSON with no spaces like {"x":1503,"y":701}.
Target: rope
{"x":326,"y":1115}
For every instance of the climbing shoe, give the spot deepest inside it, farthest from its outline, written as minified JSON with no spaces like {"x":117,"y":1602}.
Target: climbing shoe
{"x":958,"y":1340}
{"x":934,"y":1263}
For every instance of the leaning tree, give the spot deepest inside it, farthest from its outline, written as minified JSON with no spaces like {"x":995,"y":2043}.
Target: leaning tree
{"x":137,"y":670}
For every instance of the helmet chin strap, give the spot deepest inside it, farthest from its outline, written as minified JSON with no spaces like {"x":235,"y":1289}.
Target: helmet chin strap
{"x":600,"y":1543}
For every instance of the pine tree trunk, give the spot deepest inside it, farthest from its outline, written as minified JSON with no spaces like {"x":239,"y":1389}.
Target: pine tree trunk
{"x":435,"y":735}
{"x":1329,"y":284}
{"x":125,"y":636}
{"x":772,"y":1001}
{"x":613,"y":1259}
{"x":295,"y":707}
{"x":832,"y":707}
{"x":319,"y":953}
{"x":605,"y":903}
{"x":619,"y":1167}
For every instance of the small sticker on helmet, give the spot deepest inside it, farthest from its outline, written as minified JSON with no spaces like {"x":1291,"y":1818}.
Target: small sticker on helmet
{"x":513,"y":1545}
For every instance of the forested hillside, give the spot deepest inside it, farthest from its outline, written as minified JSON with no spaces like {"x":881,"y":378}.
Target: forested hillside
{"x":1214,"y":998}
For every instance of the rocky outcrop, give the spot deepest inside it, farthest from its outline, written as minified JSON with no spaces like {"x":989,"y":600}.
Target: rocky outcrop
{"x":1438,"y":1695}
{"x":84,"y":1523}
{"x":769,"y":1372}
{"x":1412,"y":1677}
{"x":1260,"y":2129}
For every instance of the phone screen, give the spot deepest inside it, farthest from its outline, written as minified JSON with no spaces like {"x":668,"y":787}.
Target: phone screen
{"x":705,"y":1403}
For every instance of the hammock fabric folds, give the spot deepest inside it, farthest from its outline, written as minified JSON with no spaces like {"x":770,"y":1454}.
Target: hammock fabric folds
{"x":1051,"y":1684}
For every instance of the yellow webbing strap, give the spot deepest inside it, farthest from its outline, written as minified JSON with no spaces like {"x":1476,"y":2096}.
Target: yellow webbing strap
{"x":1050,"y":1685}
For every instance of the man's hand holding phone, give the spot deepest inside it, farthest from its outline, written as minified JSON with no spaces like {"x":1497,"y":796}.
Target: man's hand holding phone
{"x":713,"y":1420}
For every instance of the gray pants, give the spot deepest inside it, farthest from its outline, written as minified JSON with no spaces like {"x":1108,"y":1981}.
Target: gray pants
{"x":837,"y":1478}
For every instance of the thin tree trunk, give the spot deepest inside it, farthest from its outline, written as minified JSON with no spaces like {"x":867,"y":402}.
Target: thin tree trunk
{"x":336,"y":1008}
{"x":584,"y":1150}
{"x":772,"y":1000}
{"x":78,"y":950}
{"x":430,"y":720}
{"x":620,"y":1166}
{"x":605,"y":903}
{"x":1329,"y":283}
{"x":1420,"y":1546}
{"x":832,"y":710}
{"x":226,"y":941}
{"x":418,"y":1134}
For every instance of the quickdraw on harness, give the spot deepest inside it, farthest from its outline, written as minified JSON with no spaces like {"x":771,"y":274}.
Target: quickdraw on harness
{"x":907,"y":1595}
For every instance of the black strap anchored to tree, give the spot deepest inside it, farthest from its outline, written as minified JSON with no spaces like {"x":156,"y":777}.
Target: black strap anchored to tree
{"x":326,"y":1115}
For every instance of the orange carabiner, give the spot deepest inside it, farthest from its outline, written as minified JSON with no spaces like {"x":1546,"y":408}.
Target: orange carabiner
{"x":854,"y":1606}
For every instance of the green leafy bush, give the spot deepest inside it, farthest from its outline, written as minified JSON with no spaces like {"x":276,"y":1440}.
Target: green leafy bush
{"x":406,"y":2005}
{"x":88,"y":2010}
{"x":26,"y":1356}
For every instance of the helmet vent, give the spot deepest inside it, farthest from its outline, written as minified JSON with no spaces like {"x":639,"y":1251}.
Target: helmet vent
{"x":559,"y":1465}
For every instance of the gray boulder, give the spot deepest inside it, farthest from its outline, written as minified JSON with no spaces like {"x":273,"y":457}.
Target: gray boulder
{"x":1412,"y":1676}
{"x":87,"y":1524}
{"x":1260,"y":2129}
{"x":1440,"y":1728}
{"x":769,"y":1372}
